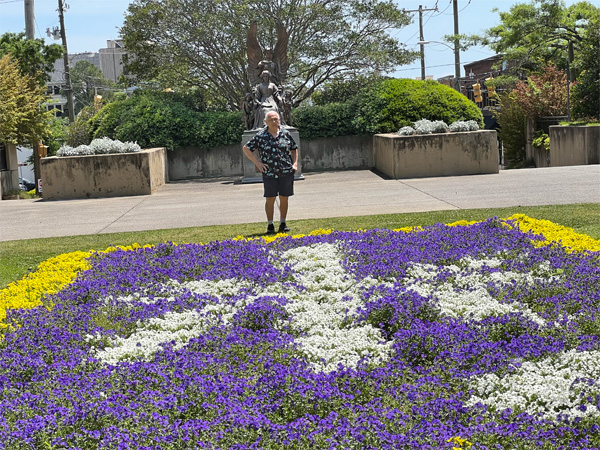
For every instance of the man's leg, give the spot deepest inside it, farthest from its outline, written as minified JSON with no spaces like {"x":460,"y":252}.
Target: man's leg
{"x":283,"y":207}
{"x":269,"y":207}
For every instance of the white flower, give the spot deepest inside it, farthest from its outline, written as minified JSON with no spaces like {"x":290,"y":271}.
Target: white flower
{"x":549,"y":386}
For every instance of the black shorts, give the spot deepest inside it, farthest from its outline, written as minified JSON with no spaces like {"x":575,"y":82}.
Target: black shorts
{"x":284,"y":185}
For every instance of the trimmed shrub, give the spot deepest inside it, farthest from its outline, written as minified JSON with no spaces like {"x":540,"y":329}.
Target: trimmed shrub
{"x":343,"y":91}
{"x":163,"y":120}
{"x":333,"y":119}
{"x":392,"y":104}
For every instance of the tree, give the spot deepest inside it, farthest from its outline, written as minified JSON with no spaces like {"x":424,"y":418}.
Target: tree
{"x":187,"y":43}
{"x":586,"y":93}
{"x":532,"y":34}
{"x":22,"y":121}
{"x":86,"y":78}
{"x":34,"y":58}
{"x":544,"y":94}
{"x":513,"y":129}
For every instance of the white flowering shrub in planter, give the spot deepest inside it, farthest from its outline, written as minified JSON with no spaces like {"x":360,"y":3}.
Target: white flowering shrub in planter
{"x":406,"y":131}
{"x":100,"y":146}
{"x":461,"y":125}
{"x":425,"y":126}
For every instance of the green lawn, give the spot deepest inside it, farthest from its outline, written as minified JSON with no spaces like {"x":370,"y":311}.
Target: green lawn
{"x":17,"y":258}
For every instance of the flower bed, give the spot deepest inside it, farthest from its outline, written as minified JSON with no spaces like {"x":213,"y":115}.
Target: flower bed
{"x":476,"y":335}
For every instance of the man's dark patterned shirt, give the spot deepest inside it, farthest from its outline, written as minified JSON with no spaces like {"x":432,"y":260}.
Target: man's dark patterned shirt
{"x":274,"y":151}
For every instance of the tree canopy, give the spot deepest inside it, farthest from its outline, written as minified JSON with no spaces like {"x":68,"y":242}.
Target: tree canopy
{"x":532,"y":34}
{"x":33,"y":56}
{"x":86,"y":78}
{"x":179,"y":43}
{"x":22,"y":121}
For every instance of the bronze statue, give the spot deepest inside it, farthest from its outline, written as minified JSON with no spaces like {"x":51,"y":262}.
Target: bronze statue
{"x":266,"y":98}
{"x":248,"y":108}
{"x":267,"y":71}
{"x":274,"y":60}
{"x":287,"y":108}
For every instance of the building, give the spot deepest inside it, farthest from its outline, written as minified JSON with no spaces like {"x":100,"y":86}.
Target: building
{"x":109,"y":60}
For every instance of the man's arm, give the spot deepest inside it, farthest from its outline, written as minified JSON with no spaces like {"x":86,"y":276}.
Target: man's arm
{"x":252,"y":157}
{"x":294,"y":154}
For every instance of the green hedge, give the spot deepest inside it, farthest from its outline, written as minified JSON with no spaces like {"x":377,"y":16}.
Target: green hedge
{"x":333,"y":119}
{"x":385,"y":107}
{"x":160,"y":121}
{"x":392,"y":104}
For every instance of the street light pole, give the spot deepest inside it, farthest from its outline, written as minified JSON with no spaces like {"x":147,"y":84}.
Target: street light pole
{"x":421,"y":38}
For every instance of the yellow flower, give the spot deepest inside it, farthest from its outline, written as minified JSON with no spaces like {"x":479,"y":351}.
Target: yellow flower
{"x":462,"y":443}
{"x":553,"y":233}
{"x":50,"y":277}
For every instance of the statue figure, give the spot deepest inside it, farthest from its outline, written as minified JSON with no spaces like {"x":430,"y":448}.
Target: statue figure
{"x":274,"y":60}
{"x":266,"y":98}
{"x":287,"y":108}
{"x":248,"y":110}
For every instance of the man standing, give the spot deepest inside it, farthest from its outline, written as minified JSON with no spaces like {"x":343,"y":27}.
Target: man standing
{"x":277,"y":160}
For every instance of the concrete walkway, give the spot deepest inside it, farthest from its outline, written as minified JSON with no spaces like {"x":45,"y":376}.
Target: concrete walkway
{"x":319,"y":195}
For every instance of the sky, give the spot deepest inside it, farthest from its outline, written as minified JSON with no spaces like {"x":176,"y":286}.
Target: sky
{"x":90,"y":23}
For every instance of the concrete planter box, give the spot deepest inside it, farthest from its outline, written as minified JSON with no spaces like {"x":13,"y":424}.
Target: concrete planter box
{"x":113,"y":175}
{"x":574,"y":145}
{"x":435,"y":155}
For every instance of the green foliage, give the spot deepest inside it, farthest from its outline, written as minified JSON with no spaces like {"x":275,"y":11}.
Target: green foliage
{"x":80,"y":132}
{"x":34,"y":58}
{"x":219,"y":128}
{"x":86,"y":78}
{"x":341,"y":91}
{"x":58,"y":134}
{"x":513,"y":129}
{"x":534,"y":33}
{"x":586,"y":92}
{"x":391,"y":104}
{"x":332,"y":119}
{"x":159,"y":119}
{"x":541,"y":141}
{"x":22,"y":120}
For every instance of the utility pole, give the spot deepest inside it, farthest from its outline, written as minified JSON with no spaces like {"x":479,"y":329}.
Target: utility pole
{"x":68,"y":89}
{"x":30,"y":34}
{"x":456,"y":46}
{"x":29,"y":19}
{"x":421,"y":38}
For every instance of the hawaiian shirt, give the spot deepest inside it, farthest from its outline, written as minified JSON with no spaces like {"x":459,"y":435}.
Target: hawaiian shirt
{"x":274,"y":151}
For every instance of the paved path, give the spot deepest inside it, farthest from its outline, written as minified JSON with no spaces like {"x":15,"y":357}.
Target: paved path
{"x":319,"y":195}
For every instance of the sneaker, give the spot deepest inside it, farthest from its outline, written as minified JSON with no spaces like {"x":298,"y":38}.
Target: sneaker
{"x":270,"y":229}
{"x":283,"y":228}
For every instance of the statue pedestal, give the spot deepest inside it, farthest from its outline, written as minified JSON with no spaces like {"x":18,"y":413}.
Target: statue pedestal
{"x":251,"y":173}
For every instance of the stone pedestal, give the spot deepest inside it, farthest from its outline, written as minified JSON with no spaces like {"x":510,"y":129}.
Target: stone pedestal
{"x":251,"y":173}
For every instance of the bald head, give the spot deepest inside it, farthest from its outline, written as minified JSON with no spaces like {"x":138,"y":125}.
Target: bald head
{"x":272,"y":121}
